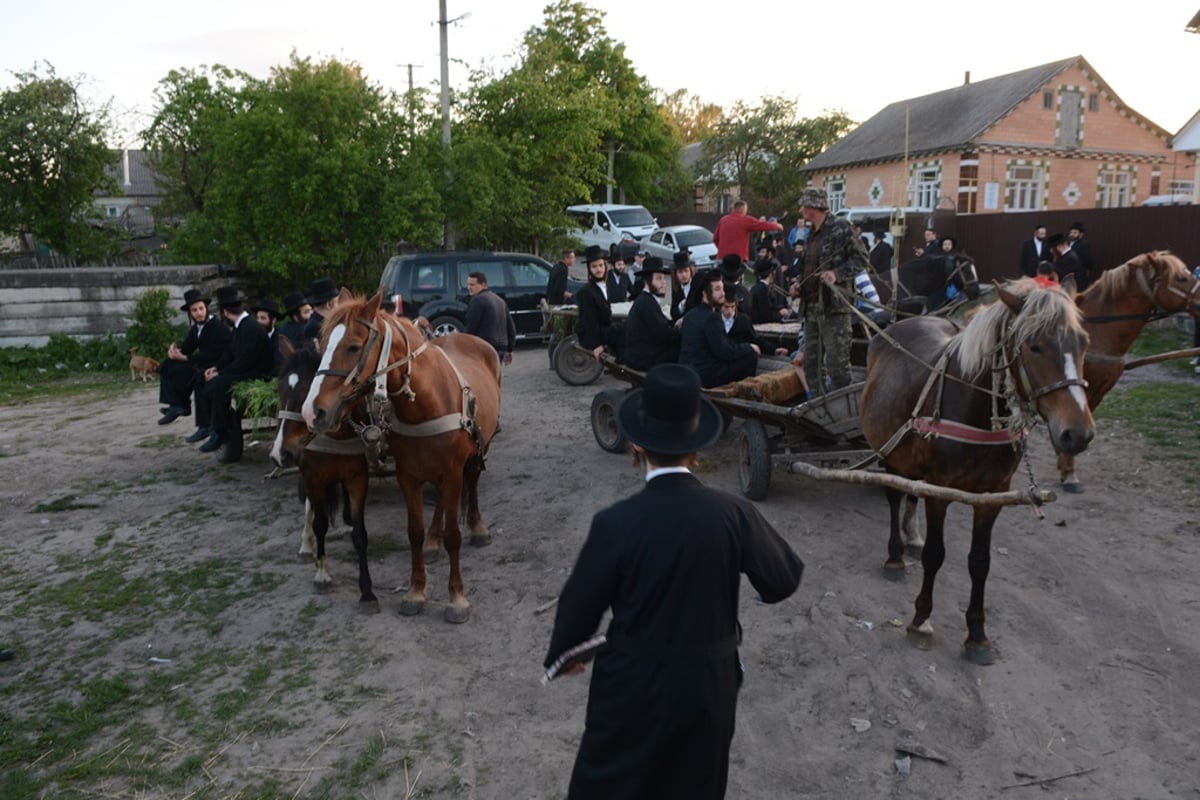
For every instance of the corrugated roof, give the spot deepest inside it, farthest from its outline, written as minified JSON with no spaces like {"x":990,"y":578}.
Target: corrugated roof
{"x":940,"y":121}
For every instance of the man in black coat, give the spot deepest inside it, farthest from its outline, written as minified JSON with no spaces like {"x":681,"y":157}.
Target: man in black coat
{"x":767,"y":303}
{"x":556,"y":283}
{"x":682,"y":285}
{"x":668,"y":563}
{"x":182,"y":371}
{"x":705,"y":347}
{"x":323,"y":297}
{"x":1066,"y":261}
{"x":650,"y":338}
{"x":881,"y":254}
{"x":297,"y":310}
{"x":488,"y":317}
{"x":248,"y":357}
{"x":595,"y":328}
{"x":1034,"y":251}
{"x":620,"y":286}
{"x":1082,"y":249}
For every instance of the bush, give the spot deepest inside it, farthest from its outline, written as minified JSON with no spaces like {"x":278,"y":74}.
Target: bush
{"x":152,"y":330}
{"x":63,"y":355}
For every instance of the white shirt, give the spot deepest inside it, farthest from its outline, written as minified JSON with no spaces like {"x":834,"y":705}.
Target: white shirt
{"x":651,"y":474}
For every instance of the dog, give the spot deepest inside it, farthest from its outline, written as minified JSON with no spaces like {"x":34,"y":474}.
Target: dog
{"x":141,"y":365}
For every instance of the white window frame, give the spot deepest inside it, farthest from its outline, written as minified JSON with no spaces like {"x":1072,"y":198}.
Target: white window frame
{"x":1023,"y":187}
{"x":836,"y":187}
{"x":926,"y":188}
{"x":1114,"y":187}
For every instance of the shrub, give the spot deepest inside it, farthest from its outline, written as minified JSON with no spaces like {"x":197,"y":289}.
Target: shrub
{"x":152,"y":330}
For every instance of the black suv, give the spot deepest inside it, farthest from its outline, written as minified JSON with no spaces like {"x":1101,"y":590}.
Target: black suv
{"x":434,"y":285}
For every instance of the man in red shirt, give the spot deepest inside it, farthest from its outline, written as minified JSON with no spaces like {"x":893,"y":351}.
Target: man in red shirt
{"x":733,"y":231}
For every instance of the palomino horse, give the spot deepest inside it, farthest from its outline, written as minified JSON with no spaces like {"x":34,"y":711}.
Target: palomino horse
{"x":445,"y":399}
{"x":953,"y":408}
{"x":325,"y":462}
{"x":922,"y":284}
{"x":1115,"y":310}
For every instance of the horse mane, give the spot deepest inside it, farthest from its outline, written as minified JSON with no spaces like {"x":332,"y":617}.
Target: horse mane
{"x":1114,"y":283}
{"x":304,"y":360}
{"x":1042,"y":310}
{"x":344,"y":313}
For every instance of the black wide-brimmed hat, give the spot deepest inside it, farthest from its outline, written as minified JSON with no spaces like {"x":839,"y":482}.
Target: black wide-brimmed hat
{"x":292,"y":302}
{"x":322,"y":290}
{"x":594,"y":253}
{"x":1055,"y":240}
{"x":669,"y":415}
{"x":732,"y":267}
{"x":193,"y":296}
{"x":683,"y":259}
{"x":764,"y":268}
{"x":653,"y":264}
{"x":267,"y":305}
{"x":1077,"y":226}
{"x":229,"y":296}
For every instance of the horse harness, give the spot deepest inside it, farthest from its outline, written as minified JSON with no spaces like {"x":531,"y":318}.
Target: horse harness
{"x":1147,"y":287}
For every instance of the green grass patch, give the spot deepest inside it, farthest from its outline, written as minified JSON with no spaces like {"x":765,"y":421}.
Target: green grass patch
{"x":162,"y":441}
{"x":1166,"y":414}
{"x":67,"y":503}
{"x":1163,"y":337}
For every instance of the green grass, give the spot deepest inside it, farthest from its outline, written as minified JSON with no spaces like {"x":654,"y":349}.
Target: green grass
{"x":1166,"y":414}
{"x":1163,"y":337}
{"x":66,"y":503}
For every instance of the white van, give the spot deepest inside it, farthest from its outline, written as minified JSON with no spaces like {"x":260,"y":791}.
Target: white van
{"x":606,"y":225}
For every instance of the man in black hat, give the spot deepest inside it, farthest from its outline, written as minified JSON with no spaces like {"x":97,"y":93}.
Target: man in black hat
{"x":1083,"y":251}
{"x":681,"y":285}
{"x":595,"y":328}
{"x":650,"y":338}
{"x":322,"y":296}
{"x":704,"y":345}
{"x":1066,"y":260}
{"x":732,"y":269}
{"x":248,"y":357}
{"x":668,"y":563}
{"x":297,"y":310}
{"x":182,"y":371}
{"x":265,"y":314}
{"x":620,"y":285}
{"x":767,"y":303}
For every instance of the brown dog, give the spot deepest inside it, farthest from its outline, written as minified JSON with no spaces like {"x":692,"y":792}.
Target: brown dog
{"x":141,"y":365}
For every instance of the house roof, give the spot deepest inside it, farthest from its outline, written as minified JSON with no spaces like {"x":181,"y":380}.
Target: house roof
{"x":139,"y":181}
{"x":951,"y":119}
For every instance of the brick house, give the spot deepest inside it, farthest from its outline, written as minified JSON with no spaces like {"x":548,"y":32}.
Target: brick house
{"x":1052,"y":137}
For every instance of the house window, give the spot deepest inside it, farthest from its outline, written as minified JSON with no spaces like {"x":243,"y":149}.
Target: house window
{"x":1023,"y":188}
{"x":1093,"y":102}
{"x":1113,"y":191}
{"x":1070,"y":113}
{"x":1181,"y":188}
{"x":112,"y":211}
{"x":1048,"y":100}
{"x":837,"y":194}
{"x":926,"y":185}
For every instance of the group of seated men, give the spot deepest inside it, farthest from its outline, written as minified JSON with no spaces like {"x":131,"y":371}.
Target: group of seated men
{"x":707,"y":322}
{"x":219,"y":351}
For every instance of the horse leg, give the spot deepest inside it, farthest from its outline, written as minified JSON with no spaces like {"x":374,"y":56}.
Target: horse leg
{"x":932,"y":556}
{"x":480,"y":535}
{"x":347,"y":512}
{"x":1066,"y":472}
{"x":450,"y":491}
{"x":436,"y":532}
{"x":414,"y":599}
{"x":895,"y":561}
{"x":356,"y":502}
{"x":308,"y":539}
{"x":977,"y":647}
{"x":912,"y":535}
{"x":320,"y":523}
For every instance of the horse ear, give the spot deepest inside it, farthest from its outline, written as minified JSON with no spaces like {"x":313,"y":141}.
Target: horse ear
{"x":286,"y":350}
{"x":345,"y":295}
{"x":1015,"y":302}
{"x":1068,"y":285}
{"x":373,"y":305}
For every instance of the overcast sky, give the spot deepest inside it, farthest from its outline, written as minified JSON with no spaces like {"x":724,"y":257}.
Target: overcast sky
{"x":852,"y":57}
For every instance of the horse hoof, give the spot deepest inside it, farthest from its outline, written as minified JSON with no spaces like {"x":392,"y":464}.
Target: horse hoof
{"x":322,"y":587}
{"x":914,"y":550}
{"x":432,"y":555}
{"x":1073,"y":488}
{"x":982,"y":654}
{"x":480,"y":539}
{"x":893,"y":570}
{"x":458,"y":614}
{"x":305,"y":558}
{"x":410,"y":608}
{"x":368,"y":607}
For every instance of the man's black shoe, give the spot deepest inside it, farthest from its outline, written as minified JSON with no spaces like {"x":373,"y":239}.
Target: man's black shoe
{"x":7,"y":655}
{"x":212,"y":444}
{"x":227,"y":456}
{"x":199,"y":435}
{"x":173,"y":413}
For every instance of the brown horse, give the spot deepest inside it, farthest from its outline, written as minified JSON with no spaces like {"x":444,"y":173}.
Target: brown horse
{"x":326,"y":463}
{"x":1115,"y":310}
{"x":953,"y":408}
{"x":445,"y":400}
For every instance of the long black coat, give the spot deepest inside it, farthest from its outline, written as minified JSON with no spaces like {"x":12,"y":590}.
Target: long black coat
{"x":1030,"y":257}
{"x":706,"y":348}
{"x":650,"y":338}
{"x":203,"y":348}
{"x":595,"y":325}
{"x":668,"y":562}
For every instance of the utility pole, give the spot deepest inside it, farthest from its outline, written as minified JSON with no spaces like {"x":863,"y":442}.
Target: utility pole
{"x":445,"y":24}
{"x":409,"y":96}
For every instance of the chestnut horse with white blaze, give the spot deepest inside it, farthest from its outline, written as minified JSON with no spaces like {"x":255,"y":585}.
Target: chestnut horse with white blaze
{"x":445,"y":402}
{"x":953,"y":408}
{"x":1115,"y":310}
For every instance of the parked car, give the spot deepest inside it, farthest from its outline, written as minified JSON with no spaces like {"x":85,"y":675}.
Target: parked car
{"x":434,"y":285}
{"x":666,"y":242}
{"x":607,"y":225}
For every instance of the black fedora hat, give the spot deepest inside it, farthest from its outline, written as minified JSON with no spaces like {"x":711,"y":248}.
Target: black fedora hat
{"x":732,"y":267}
{"x":267,"y":305}
{"x":764,"y":268}
{"x":320,"y":291}
{"x":1055,"y":240}
{"x":229,"y":296}
{"x":594,"y":253}
{"x":292,"y":302}
{"x":683,"y":259}
{"x":668,"y":414}
{"x":193,"y":296}
{"x":651,"y":265}
{"x":1077,"y":226}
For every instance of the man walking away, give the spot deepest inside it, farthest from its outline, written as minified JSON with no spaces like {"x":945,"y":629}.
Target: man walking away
{"x":488,"y":317}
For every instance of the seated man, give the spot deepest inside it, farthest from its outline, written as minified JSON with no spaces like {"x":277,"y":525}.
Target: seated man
{"x":767,"y":303}
{"x":704,"y":345}
{"x":650,"y":338}
{"x":298,"y":312}
{"x":595,"y":328}
{"x":248,"y":357}
{"x":182,"y":371}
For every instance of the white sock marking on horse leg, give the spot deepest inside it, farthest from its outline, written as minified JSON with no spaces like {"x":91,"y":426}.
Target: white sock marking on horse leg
{"x":308,"y":539}
{"x":1072,"y":374}
{"x":314,"y":391}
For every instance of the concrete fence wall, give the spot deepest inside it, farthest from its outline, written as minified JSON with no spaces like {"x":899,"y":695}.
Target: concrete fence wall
{"x":89,"y":301}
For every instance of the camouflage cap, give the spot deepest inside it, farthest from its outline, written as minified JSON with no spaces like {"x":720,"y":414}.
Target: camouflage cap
{"x":815,"y":198}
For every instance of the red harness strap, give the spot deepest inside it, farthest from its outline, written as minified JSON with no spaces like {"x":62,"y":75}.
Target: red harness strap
{"x":958,"y":432}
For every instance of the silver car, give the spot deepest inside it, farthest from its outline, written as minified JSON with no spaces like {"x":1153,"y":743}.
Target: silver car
{"x":697,"y":240}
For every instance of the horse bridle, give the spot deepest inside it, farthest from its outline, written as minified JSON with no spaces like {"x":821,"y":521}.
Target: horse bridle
{"x":1032,"y":394}
{"x":358,"y":387}
{"x":1148,"y":288}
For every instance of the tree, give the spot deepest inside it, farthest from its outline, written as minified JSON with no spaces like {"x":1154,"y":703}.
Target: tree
{"x":763,"y":150}
{"x":53,"y":161}
{"x":691,"y":119}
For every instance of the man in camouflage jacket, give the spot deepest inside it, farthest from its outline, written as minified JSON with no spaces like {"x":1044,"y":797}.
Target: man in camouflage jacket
{"x":834,"y":255}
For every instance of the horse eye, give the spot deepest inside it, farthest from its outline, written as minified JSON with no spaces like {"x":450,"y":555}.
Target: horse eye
{"x":353,"y":348}
{"x":1035,"y":348}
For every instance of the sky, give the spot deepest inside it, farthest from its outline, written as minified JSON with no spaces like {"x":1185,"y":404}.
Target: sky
{"x":827,"y":56}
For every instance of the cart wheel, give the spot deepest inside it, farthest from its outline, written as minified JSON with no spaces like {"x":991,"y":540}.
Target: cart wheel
{"x":754,"y":460}
{"x":551,"y":346}
{"x":575,"y":366}
{"x":604,"y":421}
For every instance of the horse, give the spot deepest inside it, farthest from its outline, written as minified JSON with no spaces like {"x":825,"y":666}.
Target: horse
{"x":922,"y":285}
{"x":445,"y":407}
{"x":325,"y":462}
{"x":953,"y":407}
{"x":1115,"y":309}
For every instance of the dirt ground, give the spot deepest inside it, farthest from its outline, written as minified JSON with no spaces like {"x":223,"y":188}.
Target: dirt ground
{"x":121,"y":543}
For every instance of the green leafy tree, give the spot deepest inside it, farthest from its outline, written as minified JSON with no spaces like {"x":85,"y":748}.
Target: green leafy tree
{"x":53,"y":161}
{"x":154,"y":326}
{"x":690,"y":118}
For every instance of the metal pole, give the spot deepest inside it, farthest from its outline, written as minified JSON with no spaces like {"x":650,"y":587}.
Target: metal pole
{"x":444,"y":24}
